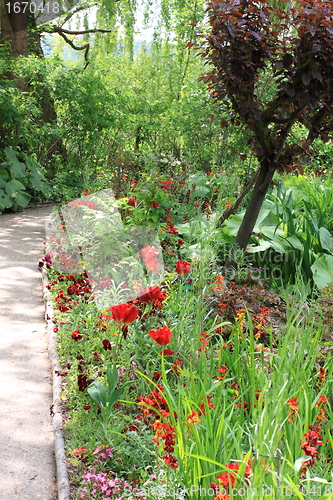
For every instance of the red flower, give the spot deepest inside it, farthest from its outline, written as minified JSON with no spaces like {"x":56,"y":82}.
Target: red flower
{"x":162,"y":335}
{"x":132,"y":202}
{"x":170,"y":460}
{"x":167,"y":352}
{"x":182,"y":267}
{"x":171,"y":228}
{"x":80,"y":453}
{"x":154,"y":204}
{"x":228,"y":479}
{"x":152,"y":294}
{"x":76,"y":335}
{"x":106,"y":345}
{"x":124,"y":313}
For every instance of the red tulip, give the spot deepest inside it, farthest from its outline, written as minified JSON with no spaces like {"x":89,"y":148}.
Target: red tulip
{"x":124,"y":313}
{"x":162,"y":335}
{"x":182,"y":267}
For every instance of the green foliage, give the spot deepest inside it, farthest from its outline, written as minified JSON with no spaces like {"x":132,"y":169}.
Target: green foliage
{"x":14,"y":193}
{"x":291,"y":234}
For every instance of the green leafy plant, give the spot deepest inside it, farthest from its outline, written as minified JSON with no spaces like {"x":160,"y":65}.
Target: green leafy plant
{"x":14,"y":193}
{"x":107,"y":397}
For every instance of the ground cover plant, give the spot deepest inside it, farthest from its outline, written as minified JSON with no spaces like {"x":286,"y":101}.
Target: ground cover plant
{"x":200,"y":386}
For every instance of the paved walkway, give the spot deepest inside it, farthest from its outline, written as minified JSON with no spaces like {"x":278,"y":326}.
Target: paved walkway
{"x":27,"y":464}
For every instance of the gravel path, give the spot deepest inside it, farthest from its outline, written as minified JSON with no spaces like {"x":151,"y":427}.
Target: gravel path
{"x":27,"y":463}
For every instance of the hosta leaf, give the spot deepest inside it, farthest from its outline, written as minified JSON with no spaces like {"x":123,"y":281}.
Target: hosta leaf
{"x":326,"y":239}
{"x":322,"y":271}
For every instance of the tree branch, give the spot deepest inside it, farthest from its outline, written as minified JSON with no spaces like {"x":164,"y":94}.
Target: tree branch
{"x":233,"y":207}
{"x":76,"y":47}
{"x":57,"y":29}
{"x":79,"y":9}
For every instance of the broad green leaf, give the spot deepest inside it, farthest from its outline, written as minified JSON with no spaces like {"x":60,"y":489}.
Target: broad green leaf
{"x":322,"y":271}
{"x":22,"y":198}
{"x":326,"y":239}
{"x":294,"y":242}
{"x":16,"y":167}
{"x":97,"y":392}
{"x":4,"y":175}
{"x":263,"y":245}
{"x":36,"y":175}
{"x":5,"y":200}
{"x":12,"y":187}
{"x":113,"y":398}
{"x":36,"y":180}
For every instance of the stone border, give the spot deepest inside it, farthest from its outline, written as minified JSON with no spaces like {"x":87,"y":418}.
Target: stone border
{"x":59,"y":444}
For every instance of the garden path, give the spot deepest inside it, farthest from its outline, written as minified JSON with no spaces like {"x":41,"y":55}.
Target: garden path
{"x":27,"y":463}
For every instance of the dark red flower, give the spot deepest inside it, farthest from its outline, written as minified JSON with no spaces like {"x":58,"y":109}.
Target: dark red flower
{"x":106,"y":345}
{"x":124,"y":313}
{"x":83,"y":382}
{"x":182,"y":267}
{"x":170,"y":460}
{"x":76,"y":335}
{"x":171,"y":228}
{"x":162,"y":335}
{"x":132,"y":202}
{"x":154,"y":204}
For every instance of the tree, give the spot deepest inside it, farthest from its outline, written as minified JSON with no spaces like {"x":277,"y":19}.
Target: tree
{"x":274,"y":68}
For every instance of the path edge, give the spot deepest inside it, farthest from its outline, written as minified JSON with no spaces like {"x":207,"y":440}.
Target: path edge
{"x":59,"y":443}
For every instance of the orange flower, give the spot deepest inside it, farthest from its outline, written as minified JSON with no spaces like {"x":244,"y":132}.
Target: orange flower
{"x":293,"y":408}
{"x":193,"y":417}
{"x":321,"y":403}
{"x":322,"y":400}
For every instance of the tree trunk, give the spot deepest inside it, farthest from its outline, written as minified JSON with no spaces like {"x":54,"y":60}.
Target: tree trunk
{"x":19,"y":30}
{"x":258,"y":195}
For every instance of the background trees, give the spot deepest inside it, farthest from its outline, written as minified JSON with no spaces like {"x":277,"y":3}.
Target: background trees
{"x":126,"y":97}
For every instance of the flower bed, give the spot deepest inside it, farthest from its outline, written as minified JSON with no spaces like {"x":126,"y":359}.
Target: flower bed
{"x":197,"y":387}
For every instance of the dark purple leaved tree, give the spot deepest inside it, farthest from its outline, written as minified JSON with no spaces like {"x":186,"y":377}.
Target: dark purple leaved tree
{"x":274,"y":68}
